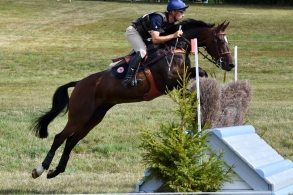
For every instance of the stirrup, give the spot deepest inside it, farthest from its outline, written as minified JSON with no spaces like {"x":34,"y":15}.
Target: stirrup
{"x":131,"y":81}
{"x":135,"y":81}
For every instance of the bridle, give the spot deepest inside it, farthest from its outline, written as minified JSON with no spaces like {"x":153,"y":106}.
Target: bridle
{"x":217,"y":62}
{"x":215,"y":36}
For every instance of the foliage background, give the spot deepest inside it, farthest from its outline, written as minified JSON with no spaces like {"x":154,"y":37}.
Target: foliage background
{"x":46,"y":43}
{"x":226,"y":2}
{"x":260,"y":2}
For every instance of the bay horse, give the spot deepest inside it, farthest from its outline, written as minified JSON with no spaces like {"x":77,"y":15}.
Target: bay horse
{"x":94,"y":95}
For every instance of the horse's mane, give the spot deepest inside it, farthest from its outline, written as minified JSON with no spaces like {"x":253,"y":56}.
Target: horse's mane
{"x":195,"y":23}
{"x":190,"y":23}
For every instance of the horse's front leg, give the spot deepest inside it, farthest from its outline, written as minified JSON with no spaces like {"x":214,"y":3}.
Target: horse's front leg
{"x":192,"y":73}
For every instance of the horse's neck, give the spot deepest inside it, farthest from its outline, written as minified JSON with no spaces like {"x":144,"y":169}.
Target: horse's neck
{"x":201,"y":34}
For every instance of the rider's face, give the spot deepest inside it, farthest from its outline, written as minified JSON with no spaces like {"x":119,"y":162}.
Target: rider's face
{"x":179,"y":15}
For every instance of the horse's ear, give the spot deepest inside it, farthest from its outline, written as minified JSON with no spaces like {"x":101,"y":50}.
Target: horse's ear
{"x":225,"y":26}
{"x":220,"y":26}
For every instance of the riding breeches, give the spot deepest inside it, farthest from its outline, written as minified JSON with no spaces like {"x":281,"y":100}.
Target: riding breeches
{"x":135,"y":40}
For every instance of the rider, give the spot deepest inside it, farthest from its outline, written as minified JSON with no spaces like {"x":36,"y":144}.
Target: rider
{"x":150,"y":26}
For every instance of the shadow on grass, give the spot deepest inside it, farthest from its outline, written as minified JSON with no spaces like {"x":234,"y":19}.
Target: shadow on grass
{"x":16,"y":191}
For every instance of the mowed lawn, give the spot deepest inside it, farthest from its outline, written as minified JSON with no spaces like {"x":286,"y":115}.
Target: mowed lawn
{"x":47,"y":43}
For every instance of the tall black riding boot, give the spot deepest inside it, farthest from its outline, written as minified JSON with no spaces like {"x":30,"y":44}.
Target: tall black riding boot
{"x":131,"y":69}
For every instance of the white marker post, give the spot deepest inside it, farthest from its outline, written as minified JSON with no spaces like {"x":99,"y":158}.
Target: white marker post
{"x":236,"y":62}
{"x":194,"y":49}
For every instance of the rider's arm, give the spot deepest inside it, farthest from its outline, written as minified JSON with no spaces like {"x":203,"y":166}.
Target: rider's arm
{"x":156,"y":22}
{"x":156,"y":38}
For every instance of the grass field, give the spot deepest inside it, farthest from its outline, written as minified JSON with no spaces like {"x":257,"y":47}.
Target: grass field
{"x":47,"y":43}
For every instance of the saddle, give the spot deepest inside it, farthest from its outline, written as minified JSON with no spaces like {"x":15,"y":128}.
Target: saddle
{"x":151,"y":54}
{"x":120,"y":65}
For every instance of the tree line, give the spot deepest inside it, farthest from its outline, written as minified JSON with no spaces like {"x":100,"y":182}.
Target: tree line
{"x":239,"y":2}
{"x":259,"y":2}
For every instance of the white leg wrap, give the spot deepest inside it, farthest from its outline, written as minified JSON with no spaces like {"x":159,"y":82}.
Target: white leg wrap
{"x":40,"y":170}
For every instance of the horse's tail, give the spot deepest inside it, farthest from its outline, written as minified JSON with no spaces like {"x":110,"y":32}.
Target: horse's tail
{"x":59,"y":103}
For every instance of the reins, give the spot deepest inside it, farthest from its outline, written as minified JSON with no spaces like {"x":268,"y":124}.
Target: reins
{"x":207,"y":56}
{"x":217,"y":62}
{"x":170,"y":63}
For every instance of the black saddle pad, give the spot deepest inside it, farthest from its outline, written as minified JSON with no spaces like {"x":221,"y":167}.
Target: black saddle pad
{"x":120,"y":70}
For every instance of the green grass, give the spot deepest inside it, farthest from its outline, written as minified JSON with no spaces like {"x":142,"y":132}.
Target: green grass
{"x":46,"y":43}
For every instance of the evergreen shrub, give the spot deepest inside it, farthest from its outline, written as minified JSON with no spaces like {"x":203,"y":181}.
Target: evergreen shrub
{"x":178,"y":154}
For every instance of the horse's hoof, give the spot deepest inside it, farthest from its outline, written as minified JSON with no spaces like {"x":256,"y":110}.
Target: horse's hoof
{"x":35,"y":174}
{"x":38,"y":172}
{"x":52,"y":174}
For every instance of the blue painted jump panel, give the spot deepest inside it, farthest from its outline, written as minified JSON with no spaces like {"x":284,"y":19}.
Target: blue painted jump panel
{"x":259,"y":168}
{"x":257,"y":163}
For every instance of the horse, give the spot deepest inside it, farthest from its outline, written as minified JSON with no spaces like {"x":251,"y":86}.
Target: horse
{"x":94,"y":95}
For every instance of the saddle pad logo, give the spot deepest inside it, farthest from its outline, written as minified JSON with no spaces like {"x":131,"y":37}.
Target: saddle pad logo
{"x":120,"y":69}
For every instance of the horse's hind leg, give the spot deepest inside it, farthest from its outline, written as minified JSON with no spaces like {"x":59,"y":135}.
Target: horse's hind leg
{"x":70,"y":128}
{"x":77,"y":119}
{"x":76,"y":137}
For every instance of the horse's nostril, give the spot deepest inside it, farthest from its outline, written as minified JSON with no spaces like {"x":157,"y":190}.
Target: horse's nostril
{"x":231,"y":65}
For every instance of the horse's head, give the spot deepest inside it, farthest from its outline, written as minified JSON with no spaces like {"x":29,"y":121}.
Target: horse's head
{"x":218,"y":47}
{"x":212,"y":38}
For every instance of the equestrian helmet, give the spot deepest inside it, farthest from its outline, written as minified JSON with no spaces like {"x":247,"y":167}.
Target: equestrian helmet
{"x":176,"y":5}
